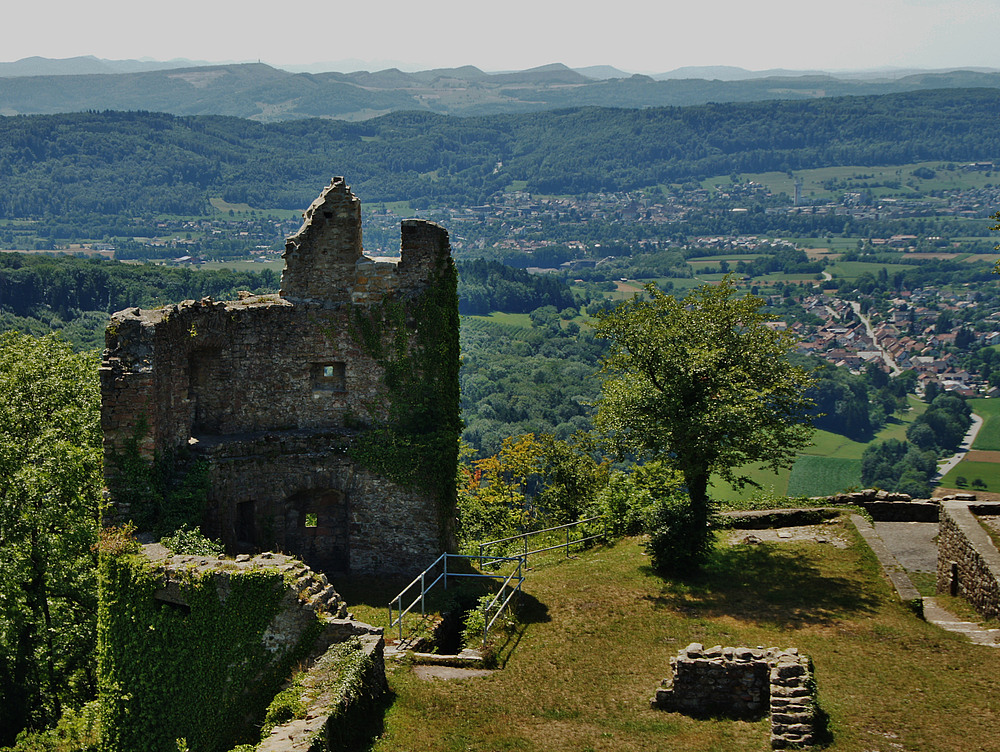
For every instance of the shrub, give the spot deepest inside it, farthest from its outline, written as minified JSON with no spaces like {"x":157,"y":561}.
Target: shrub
{"x":678,"y":539}
{"x":193,"y":542}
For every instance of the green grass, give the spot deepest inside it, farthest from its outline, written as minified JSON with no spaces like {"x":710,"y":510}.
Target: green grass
{"x":851,"y":270}
{"x":812,"y":180}
{"x":766,"y":480}
{"x":243,"y":266}
{"x":826,"y":444}
{"x":598,"y":631}
{"x":988,"y":472}
{"x":520,"y":320}
{"x":822,"y":476}
{"x":989,"y":435}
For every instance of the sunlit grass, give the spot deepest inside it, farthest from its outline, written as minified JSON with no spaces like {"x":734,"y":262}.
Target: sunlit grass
{"x":598,"y":631}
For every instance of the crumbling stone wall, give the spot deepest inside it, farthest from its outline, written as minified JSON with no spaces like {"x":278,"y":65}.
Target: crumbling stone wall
{"x":745,"y":683}
{"x":276,"y":393}
{"x":968,"y":563}
{"x":196,"y":647}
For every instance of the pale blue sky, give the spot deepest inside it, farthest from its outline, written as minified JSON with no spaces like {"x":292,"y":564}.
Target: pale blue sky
{"x":636,"y":35}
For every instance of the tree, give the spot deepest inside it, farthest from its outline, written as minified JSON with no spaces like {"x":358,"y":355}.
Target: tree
{"x":50,"y":484}
{"x":702,"y":385}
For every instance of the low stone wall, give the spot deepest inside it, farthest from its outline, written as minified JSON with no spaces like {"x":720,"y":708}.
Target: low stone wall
{"x":745,"y":683}
{"x":341,"y":692}
{"x":889,"y":506}
{"x":968,"y":563}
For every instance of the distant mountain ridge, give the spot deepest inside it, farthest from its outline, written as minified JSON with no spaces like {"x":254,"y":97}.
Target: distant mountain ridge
{"x":264,"y":93}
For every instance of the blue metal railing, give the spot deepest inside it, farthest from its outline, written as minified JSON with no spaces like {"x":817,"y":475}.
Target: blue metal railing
{"x":430,"y":577}
{"x":523,"y":537}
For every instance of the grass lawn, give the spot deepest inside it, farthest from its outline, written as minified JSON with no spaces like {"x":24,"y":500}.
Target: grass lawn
{"x":822,"y":476}
{"x":989,"y":435}
{"x":988,"y":472}
{"x":769,"y":482}
{"x":853,"y":269}
{"x":598,"y":631}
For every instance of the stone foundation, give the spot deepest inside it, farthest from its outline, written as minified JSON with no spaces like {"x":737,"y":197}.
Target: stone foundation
{"x":968,"y":563}
{"x":745,"y":683}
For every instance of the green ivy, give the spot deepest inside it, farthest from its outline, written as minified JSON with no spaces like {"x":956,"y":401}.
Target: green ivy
{"x":200,"y":673}
{"x":162,"y":495}
{"x":414,"y":436}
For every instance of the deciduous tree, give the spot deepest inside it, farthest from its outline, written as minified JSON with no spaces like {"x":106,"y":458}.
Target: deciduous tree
{"x":50,"y":481}
{"x":702,"y":384}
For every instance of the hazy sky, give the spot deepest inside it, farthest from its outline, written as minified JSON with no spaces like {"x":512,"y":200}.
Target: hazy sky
{"x":648,"y":36}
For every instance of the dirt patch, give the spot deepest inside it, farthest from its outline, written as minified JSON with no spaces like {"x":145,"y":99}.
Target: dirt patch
{"x":981,"y":495}
{"x":819,"y":253}
{"x":449,"y":672}
{"x":982,"y":455}
{"x":815,"y":533}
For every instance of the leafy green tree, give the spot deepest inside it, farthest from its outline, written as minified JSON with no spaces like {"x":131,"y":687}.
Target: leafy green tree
{"x":571,"y":476}
{"x":702,"y":385}
{"x":50,"y":483}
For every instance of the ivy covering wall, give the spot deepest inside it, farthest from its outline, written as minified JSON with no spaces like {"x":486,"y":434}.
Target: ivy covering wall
{"x":199,"y":671}
{"x":414,"y":439}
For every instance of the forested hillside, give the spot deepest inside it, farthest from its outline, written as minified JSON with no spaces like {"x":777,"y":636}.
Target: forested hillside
{"x":111,"y":163}
{"x":266,"y":94}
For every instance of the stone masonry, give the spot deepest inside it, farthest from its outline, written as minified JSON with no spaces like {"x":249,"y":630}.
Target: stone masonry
{"x":968,"y":563}
{"x":745,"y":683}
{"x":272,"y":390}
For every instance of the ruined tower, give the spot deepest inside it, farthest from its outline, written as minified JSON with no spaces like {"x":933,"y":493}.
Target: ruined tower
{"x":326,"y":417}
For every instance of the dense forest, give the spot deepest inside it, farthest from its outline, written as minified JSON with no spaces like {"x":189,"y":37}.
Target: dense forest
{"x":113,"y":163}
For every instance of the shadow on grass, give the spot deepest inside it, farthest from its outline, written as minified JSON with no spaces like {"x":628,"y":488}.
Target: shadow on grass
{"x":529,"y":610}
{"x":367,"y":727}
{"x":766,"y":584}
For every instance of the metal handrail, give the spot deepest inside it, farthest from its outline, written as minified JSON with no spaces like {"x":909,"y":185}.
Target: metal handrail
{"x":567,"y":526}
{"x":396,"y":604}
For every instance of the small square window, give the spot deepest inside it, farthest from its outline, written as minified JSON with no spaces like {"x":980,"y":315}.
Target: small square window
{"x":329,"y":377}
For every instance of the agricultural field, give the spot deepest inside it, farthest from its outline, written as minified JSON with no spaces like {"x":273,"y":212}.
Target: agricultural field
{"x":596,"y":632}
{"x":879,"y":180}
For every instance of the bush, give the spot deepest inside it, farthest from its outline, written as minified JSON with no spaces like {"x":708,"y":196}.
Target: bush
{"x":678,"y":538}
{"x":193,"y":542}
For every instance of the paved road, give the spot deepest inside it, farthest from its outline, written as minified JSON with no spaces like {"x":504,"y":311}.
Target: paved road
{"x":964,"y":447}
{"x":894,"y":369}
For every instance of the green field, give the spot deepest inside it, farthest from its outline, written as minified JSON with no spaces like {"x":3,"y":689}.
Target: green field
{"x":855,"y":176}
{"x":520,"y":320}
{"x":851,"y":270}
{"x":830,"y":464}
{"x":823,"y":476}
{"x":989,"y":435}
{"x":243,"y":266}
{"x":988,"y":472}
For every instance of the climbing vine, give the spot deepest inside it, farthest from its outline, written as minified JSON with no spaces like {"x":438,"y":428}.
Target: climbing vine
{"x":413,"y":440}
{"x":198,"y":671}
{"x":162,"y":494}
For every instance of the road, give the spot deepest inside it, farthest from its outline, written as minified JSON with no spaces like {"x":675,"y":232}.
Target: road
{"x":894,"y":369}
{"x":964,"y":447}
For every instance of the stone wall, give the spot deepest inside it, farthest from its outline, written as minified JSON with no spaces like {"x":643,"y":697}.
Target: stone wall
{"x":745,"y":683}
{"x":888,"y":506}
{"x":274,"y":391}
{"x":968,"y":563}
{"x":196,"y":647}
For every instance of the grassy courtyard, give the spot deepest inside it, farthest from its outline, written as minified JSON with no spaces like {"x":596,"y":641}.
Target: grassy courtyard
{"x":598,"y":630}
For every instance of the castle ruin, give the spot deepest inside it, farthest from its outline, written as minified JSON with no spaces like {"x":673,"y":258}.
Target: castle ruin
{"x":326,"y":417}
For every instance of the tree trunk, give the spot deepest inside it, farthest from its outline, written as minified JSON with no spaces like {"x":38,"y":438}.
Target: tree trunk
{"x":697,"y":486}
